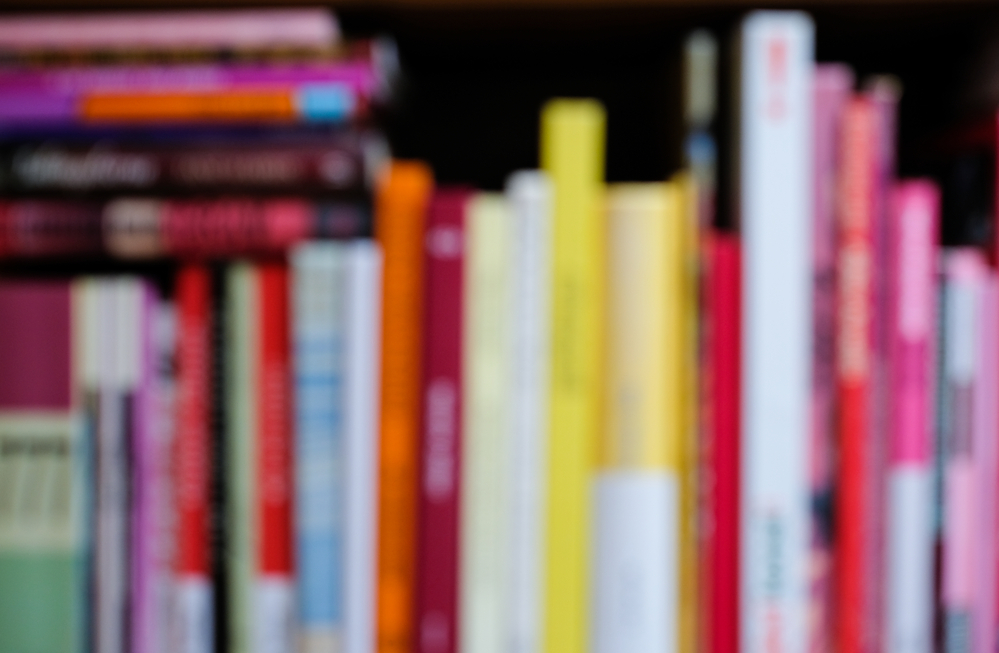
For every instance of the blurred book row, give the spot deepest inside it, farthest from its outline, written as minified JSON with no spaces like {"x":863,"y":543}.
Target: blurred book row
{"x":356,"y":411}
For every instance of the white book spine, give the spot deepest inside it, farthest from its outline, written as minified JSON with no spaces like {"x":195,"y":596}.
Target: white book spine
{"x":775,"y":202}
{"x":635,"y":546}
{"x":484,"y":522}
{"x":318,"y":322}
{"x":361,"y":429}
{"x":910,"y":566}
{"x":529,"y":194}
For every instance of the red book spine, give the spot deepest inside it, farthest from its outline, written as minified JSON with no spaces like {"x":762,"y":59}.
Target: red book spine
{"x":274,"y":419}
{"x":855,"y":288}
{"x":192,"y":439}
{"x":721,"y":411}
{"x":47,"y":228}
{"x":440,"y":470}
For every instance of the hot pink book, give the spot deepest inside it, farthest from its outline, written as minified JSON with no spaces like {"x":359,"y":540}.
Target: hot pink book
{"x":913,"y":228}
{"x":833,"y":84}
{"x":170,"y":30}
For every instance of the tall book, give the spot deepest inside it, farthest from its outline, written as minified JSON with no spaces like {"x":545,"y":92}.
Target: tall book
{"x":487,"y":447}
{"x":967,"y":280}
{"x":442,"y":427}
{"x":530,"y":196}
{"x":318,"y":318}
{"x":259,"y":449}
{"x":858,"y":478}
{"x":361,"y":428}
{"x":43,"y":455}
{"x":638,"y":509}
{"x":194,"y":622}
{"x":400,"y":206}
{"x":572,"y":153}
{"x":721,"y":446}
{"x":775,"y":204}
{"x":833,"y":84}
{"x":913,"y":228}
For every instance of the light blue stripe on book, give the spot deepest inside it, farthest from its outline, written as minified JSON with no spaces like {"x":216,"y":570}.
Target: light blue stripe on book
{"x":329,"y":102}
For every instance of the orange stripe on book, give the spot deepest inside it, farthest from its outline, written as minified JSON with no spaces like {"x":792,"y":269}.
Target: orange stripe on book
{"x":229,"y":105}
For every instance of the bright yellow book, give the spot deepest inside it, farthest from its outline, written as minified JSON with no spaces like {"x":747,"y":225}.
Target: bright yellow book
{"x":572,"y":153}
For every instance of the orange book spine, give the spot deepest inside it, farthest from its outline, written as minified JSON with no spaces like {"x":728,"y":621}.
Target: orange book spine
{"x":400,"y":210}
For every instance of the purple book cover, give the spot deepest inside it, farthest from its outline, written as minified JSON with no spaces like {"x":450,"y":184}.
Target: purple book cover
{"x":833,"y":84}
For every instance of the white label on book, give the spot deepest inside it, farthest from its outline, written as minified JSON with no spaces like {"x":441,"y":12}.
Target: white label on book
{"x":635,"y":562}
{"x":910,"y":565}
{"x":273,"y":624}
{"x":193,"y":630}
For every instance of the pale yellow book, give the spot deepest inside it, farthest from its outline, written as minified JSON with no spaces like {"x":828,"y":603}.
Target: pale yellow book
{"x":487,"y":440}
{"x":572,"y":153}
{"x":638,"y":483}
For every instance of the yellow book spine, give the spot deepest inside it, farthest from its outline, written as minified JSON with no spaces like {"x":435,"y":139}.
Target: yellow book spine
{"x":572,"y":153}
{"x":485,"y":509}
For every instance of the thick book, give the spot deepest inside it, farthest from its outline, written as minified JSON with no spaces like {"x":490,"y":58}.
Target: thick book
{"x":832,"y":87}
{"x":572,"y":154}
{"x":362,"y":337}
{"x":193,"y":629}
{"x":637,"y":516}
{"x":441,"y":426}
{"x":44,"y":452}
{"x":912,"y":292}
{"x":486,"y":472}
{"x":401,"y":204}
{"x":529,"y":193}
{"x":775,"y":205}
{"x":261,"y":591}
{"x":860,"y":450}
{"x":335,"y":164}
{"x":319,"y":320}
{"x":721,"y":445}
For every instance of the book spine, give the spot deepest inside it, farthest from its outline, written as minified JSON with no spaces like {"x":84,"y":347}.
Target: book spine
{"x":833,"y":83}
{"x":401,"y":204}
{"x":966,"y":275}
{"x":572,"y":153}
{"x":530,"y":195}
{"x":319,"y":278}
{"x":337,"y":167}
{"x":638,"y":511}
{"x":161,"y":469}
{"x":775,"y":204}
{"x":193,"y":604}
{"x":219,"y":457}
{"x":722,"y":447}
{"x":441,"y":437}
{"x":361,"y":428}
{"x":273,"y":586}
{"x":145,"y":484}
{"x":484,"y":569}
{"x":914,"y":222}
{"x":46,"y":228}
{"x":242,"y":374}
{"x":854,"y":354}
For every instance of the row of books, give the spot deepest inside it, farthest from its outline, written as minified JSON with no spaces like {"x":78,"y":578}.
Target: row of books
{"x":567,"y":417}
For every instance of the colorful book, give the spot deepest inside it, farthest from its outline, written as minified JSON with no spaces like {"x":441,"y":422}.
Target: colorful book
{"x":913,"y":228}
{"x":529,"y":194}
{"x":721,"y":447}
{"x":401,"y":203}
{"x":170,"y":30}
{"x":855,"y":361}
{"x":966,"y":302}
{"x":193,"y":628}
{"x":637,"y":489}
{"x":44,"y":452}
{"x":362,"y":337}
{"x":572,"y":153}
{"x":261,"y":592}
{"x":442,"y":493}
{"x":319,"y":320}
{"x":486,"y":474}
{"x":833,"y":84}
{"x":775,"y":205}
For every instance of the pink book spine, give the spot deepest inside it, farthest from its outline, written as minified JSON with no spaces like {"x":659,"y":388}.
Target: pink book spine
{"x":986,"y":452}
{"x":223,"y":29}
{"x":966,"y":275}
{"x":912,"y":243}
{"x":833,"y":83}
